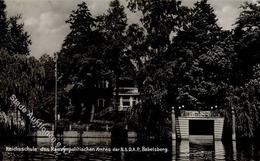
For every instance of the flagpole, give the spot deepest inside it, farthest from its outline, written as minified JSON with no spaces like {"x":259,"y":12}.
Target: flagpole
{"x":56,"y":97}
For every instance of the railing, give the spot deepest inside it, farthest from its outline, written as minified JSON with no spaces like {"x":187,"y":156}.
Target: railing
{"x":104,"y":112}
{"x":201,"y":114}
{"x":128,"y":91}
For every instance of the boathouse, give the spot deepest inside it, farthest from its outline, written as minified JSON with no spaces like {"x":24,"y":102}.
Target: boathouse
{"x":197,"y":124}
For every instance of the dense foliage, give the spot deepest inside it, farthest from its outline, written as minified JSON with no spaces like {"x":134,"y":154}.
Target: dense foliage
{"x":23,"y":77}
{"x":19,"y":74}
{"x":177,"y":56}
{"x":201,"y":65}
{"x":80,"y":65}
{"x":14,"y":38}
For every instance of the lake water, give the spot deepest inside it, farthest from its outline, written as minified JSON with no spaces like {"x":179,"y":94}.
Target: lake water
{"x":180,"y":151}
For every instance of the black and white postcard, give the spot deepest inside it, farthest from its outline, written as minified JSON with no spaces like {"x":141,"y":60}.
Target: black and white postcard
{"x":129,"y":80}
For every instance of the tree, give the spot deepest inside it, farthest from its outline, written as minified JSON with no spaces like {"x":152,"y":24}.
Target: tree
{"x":80,"y":64}
{"x":3,"y":25}
{"x":136,"y":48}
{"x":82,"y":41}
{"x":113,"y":25}
{"x":45,"y":109}
{"x":19,"y":39}
{"x":23,"y":77}
{"x":160,"y":20}
{"x":246,"y":66}
{"x":246,"y":102}
{"x":192,"y":68}
{"x":200,"y":29}
{"x":13,"y":37}
{"x":82,"y":31}
{"x":196,"y":52}
{"x":246,"y":36}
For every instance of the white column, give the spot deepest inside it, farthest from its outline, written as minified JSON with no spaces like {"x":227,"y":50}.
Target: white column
{"x":174,"y":150}
{"x":184,"y":148}
{"x":121,"y":103}
{"x":92,"y":113}
{"x":233,"y":124}
{"x":234,"y":145}
{"x":173,"y":125}
{"x":131,"y":101}
{"x":219,"y":150}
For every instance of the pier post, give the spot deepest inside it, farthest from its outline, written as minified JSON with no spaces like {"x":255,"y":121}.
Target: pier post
{"x":107,"y":128}
{"x":233,"y":124}
{"x":173,"y":125}
{"x":92,"y":113}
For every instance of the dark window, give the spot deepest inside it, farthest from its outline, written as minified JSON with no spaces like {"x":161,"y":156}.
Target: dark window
{"x":103,"y":84}
{"x":126,"y":103}
{"x":201,"y":127}
{"x":101,"y":102}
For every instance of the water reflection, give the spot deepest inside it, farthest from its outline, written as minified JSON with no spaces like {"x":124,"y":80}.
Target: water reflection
{"x":203,"y":150}
{"x":216,"y":151}
{"x":252,"y":152}
{"x":200,"y":150}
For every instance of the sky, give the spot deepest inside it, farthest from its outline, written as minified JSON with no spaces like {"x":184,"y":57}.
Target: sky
{"x":44,"y":20}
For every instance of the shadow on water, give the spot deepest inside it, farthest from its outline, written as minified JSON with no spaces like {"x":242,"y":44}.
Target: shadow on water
{"x":248,"y":150}
{"x":216,"y":151}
